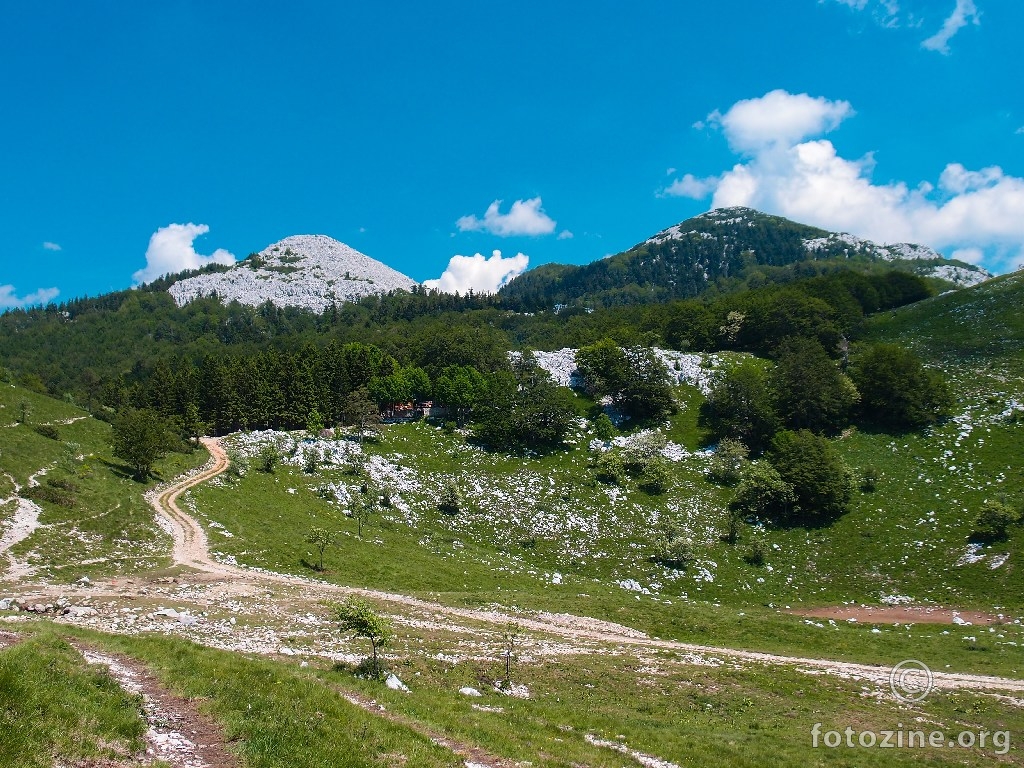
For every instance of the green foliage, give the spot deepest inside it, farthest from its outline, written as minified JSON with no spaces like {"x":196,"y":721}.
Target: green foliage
{"x":646,"y":394}
{"x":869,"y":479}
{"x":728,"y":462}
{"x":48,"y":430}
{"x":608,"y":467}
{"x":357,"y":617}
{"x":655,"y":476}
{"x":897,"y":390}
{"x":451,"y":499}
{"x":140,"y":437}
{"x":604,"y":429}
{"x":524,"y":410}
{"x":314,"y":423}
{"x":321,"y":538}
{"x":360,"y":412}
{"x":756,"y":553}
{"x":672,"y":547}
{"x":741,"y":407}
{"x":820,"y":479}
{"x":762,"y":493}
{"x":268,"y":458}
{"x":460,"y":388}
{"x":602,"y":366}
{"x":994,"y":520}
{"x":810,"y":391}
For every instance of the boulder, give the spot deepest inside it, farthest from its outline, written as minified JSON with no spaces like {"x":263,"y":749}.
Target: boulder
{"x":395,"y":684}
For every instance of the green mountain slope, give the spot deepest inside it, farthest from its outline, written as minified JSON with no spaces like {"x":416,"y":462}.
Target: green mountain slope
{"x":726,"y":248}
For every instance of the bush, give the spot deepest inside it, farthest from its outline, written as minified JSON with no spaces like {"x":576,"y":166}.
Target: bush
{"x":756,"y":553}
{"x":608,"y":468}
{"x":762,"y":493}
{"x":50,"y":495}
{"x":267,"y":459}
{"x":995,"y":517}
{"x":451,"y":500}
{"x":63,"y":484}
{"x":869,"y":479}
{"x":654,"y":478}
{"x":48,"y":430}
{"x":820,"y":479}
{"x":673,"y":548}
{"x":604,"y":429}
{"x":728,"y":462}
{"x":897,"y":390}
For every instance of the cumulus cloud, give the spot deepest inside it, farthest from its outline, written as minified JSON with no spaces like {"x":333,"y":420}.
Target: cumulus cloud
{"x":778,"y":117}
{"x":10,"y":300}
{"x":481,"y":274}
{"x":979,"y":213}
{"x":171,"y":249}
{"x":565,"y":234}
{"x":963,"y":14}
{"x":525,"y":217}
{"x":48,"y":246}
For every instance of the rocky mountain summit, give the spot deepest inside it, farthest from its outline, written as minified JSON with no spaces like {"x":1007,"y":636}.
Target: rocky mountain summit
{"x":308,"y":271}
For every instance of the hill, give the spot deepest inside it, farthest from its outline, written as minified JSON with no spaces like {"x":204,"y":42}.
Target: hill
{"x":307,"y":271}
{"x":724,"y":249}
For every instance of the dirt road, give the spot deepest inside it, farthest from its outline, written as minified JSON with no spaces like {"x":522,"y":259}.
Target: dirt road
{"x":191,"y":550}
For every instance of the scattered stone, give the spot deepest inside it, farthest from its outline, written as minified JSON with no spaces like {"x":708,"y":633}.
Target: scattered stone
{"x":80,"y":611}
{"x":395,"y":684}
{"x":467,"y":691}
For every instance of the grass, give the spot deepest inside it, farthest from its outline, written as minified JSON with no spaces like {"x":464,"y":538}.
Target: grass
{"x":56,"y":709}
{"x":278,"y":714}
{"x":104,"y":525}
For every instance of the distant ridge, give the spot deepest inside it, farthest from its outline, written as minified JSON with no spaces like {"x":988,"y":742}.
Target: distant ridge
{"x":308,"y":271}
{"x":722,"y":248}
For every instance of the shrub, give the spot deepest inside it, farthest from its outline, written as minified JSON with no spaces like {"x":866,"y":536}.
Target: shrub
{"x":820,"y":479}
{"x":869,"y":479}
{"x":728,"y":462}
{"x":672,"y":547}
{"x":608,"y":468}
{"x":50,"y":495}
{"x":756,"y":553}
{"x":995,"y":517}
{"x":64,"y":484}
{"x":267,"y":459}
{"x":604,"y":429}
{"x":48,"y":430}
{"x":451,"y":500}
{"x":654,"y":478}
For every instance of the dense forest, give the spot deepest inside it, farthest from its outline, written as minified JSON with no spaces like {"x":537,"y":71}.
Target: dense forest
{"x":235,"y":367}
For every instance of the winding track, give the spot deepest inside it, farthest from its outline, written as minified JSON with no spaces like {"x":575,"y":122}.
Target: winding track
{"x":191,"y":550}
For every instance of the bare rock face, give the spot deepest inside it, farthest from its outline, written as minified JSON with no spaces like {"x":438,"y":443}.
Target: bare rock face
{"x":307,"y":271}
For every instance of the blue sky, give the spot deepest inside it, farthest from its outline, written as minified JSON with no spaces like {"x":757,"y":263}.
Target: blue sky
{"x":395,"y":127}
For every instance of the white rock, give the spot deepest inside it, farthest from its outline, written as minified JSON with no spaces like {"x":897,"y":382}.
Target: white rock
{"x":395,"y":684}
{"x":467,"y":691}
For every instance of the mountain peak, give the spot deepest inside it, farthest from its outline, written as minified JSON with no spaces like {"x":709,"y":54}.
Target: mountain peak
{"x":307,"y":271}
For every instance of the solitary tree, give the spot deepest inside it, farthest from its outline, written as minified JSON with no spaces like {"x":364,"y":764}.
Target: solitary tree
{"x":509,"y":639}
{"x":321,"y":538}
{"x":140,"y":438}
{"x":358,"y":617}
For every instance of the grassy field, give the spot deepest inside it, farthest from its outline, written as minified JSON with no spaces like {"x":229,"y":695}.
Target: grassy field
{"x":542,"y":533}
{"x":100,"y":523}
{"x":278,"y":714}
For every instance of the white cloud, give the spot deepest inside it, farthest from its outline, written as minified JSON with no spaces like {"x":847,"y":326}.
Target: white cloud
{"x":48,"y":246}
{"x":1020,"y":130}
{"x":171,"y":250}
{"x":979,"y":213}
{"x":481,"y":274}
{"x":690,"y":186}
{"x":778,"y":117}
{"x":10,"y":300}
{"x":963,"y":14}
{"x":565,"y":234}
{"x":526,"y":217}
